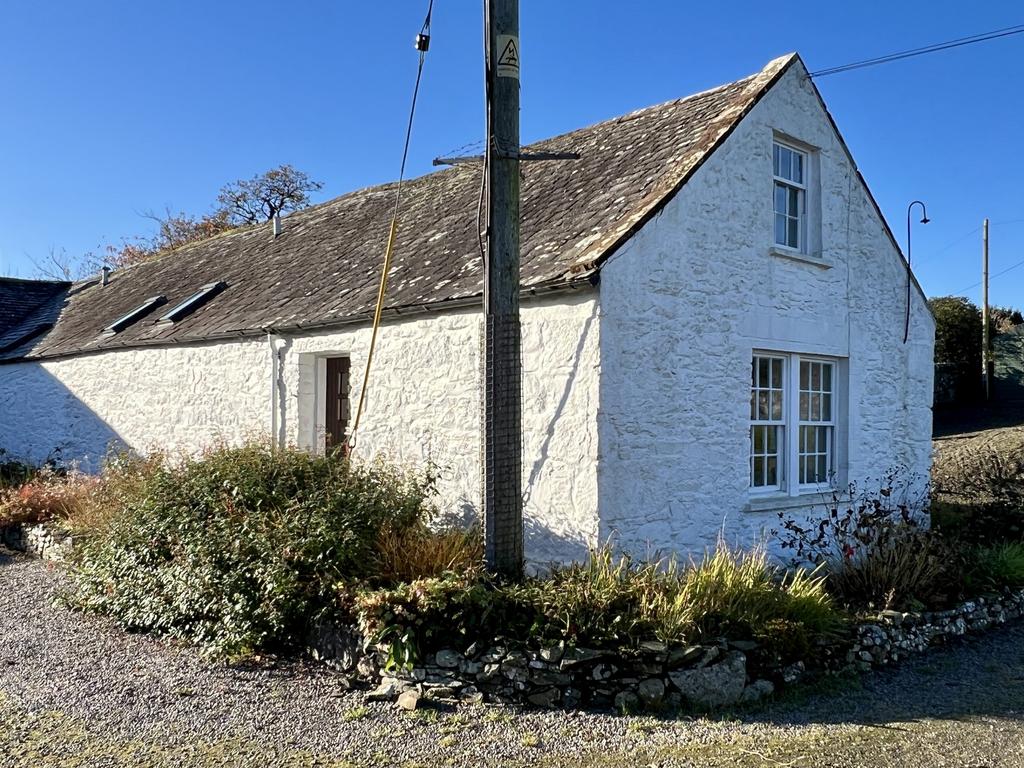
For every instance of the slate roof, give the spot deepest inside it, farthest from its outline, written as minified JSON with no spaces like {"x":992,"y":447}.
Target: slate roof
{"x":323,"y":269}
{"x":22,"y":301}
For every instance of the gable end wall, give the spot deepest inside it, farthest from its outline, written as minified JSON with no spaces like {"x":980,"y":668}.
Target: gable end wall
{"x":687,"y":300}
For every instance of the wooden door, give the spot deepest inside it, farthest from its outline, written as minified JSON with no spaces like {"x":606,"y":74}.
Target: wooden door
{"x":336,"y":401}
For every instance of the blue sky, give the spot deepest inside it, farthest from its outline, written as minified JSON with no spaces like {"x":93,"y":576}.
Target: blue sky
{"x":116,"y":107}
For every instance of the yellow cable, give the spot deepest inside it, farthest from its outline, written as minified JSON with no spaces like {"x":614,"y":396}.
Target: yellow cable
{"x":381,"y":291}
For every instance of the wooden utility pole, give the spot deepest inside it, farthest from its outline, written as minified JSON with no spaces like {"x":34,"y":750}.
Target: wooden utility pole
{"x":986,"y":341}
{"x":502,"y":375}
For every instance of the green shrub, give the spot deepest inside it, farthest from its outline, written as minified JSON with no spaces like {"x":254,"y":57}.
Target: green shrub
{"x":997,"y":566}
{"x":238,"y":549}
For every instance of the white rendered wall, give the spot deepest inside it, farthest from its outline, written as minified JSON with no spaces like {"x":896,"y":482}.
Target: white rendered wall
{"x":423,"y":405}
{"x":687,"y":300}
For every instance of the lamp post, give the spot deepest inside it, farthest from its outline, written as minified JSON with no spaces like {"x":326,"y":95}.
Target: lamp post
{"x":924,"y":220}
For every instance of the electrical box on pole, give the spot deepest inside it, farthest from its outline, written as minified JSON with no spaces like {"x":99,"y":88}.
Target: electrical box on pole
{"x":502,"y":374}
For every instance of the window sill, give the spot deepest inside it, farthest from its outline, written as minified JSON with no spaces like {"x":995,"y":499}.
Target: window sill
{"x":785,"y":253}
{"x":779,"y":502}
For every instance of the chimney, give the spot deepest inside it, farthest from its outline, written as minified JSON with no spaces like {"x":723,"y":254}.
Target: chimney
{"x":277,"y":225}
{"x":104,"y":275}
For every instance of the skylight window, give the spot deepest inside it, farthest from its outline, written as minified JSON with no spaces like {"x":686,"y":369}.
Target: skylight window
{"x":136,"y":314}
{"x":193,"y":302}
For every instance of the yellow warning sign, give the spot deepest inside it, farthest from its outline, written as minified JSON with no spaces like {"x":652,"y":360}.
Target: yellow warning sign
{"x":508,"y":56}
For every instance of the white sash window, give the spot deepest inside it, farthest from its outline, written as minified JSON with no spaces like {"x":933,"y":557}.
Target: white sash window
{"x":792,"y":423}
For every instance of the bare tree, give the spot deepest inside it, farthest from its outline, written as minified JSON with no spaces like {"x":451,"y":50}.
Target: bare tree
{"x":59,"y":265}
{"x":279,"y":190}
{"x":262,"y":197}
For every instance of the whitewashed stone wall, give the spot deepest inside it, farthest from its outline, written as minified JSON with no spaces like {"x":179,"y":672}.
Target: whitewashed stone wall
{"x":687,"y":300}
{"x":423,"y":405}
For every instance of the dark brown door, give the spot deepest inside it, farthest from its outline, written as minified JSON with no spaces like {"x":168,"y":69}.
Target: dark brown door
{"x":336,"y":401}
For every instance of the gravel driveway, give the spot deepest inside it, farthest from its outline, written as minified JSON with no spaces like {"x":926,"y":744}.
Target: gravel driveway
{"x":75,"y":691}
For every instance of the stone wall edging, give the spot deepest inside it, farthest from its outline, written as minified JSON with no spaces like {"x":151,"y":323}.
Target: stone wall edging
{"x":43,"y":540}
{"x":655,"y":675}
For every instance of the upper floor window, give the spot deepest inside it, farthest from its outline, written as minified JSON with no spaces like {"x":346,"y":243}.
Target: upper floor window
{"x":790,"y":170}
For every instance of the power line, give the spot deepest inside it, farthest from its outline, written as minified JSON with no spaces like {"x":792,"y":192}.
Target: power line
{"x":997,"y":274}
{"x":979,"y":38}
{"x":422,"y":45}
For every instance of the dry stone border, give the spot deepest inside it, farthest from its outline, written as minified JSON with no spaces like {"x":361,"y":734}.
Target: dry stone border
{"x":654,"y":676}
{"x":41,"y":540}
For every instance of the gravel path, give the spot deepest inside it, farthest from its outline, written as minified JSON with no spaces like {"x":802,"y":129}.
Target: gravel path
{"x":77,"y":692}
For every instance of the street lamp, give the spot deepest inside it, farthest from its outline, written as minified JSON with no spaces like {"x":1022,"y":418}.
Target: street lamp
{"x":924,"y":220}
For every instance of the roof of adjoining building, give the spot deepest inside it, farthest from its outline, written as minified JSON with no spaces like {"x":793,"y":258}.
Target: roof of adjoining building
{"x":323,"y":268}
{"x":21,"y":301}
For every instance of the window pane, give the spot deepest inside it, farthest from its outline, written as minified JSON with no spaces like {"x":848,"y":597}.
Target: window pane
{"x":804,"y":374}
{"x":803,"y":407}
{"x":781,"y":193}
{"x":780,"y":229}
{"x":815,"y":376}
{"x":762,"y":406}
{"x":793,"y":234}
{"x":827,"y":378}
{"x":777,"y":374}
{"x":772,"y":440}
{"x":758,"y":472}
{"x":822,"y":475}
{"x":753,"y":372}
{"x":753,"y":406}
{"x":762,"y":372}
{"x":776,"y":406}
{"x":785,"y":162}
{"x":803,"y":469}
{"x":794,"y":207}
{"x":798,"y":168}
{"x":826,"y":407}
{"x":776,"y":161}
{"x":815,"y":407}
{"x":772,"y":471}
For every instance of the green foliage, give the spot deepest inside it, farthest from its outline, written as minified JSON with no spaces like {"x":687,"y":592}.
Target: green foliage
{"x":240,"y":548}
{"x":957,"y":331}
{"x":608,"y":602}
{"x":996,"y":566}
{"x":14,"y":472}
{"x":904,"y":568}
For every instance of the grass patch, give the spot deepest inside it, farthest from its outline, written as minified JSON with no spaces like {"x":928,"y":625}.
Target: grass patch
{"x":354,"y":714}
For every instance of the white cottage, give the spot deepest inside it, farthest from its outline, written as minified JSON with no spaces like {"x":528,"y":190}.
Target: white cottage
{"x":713,"y":319}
